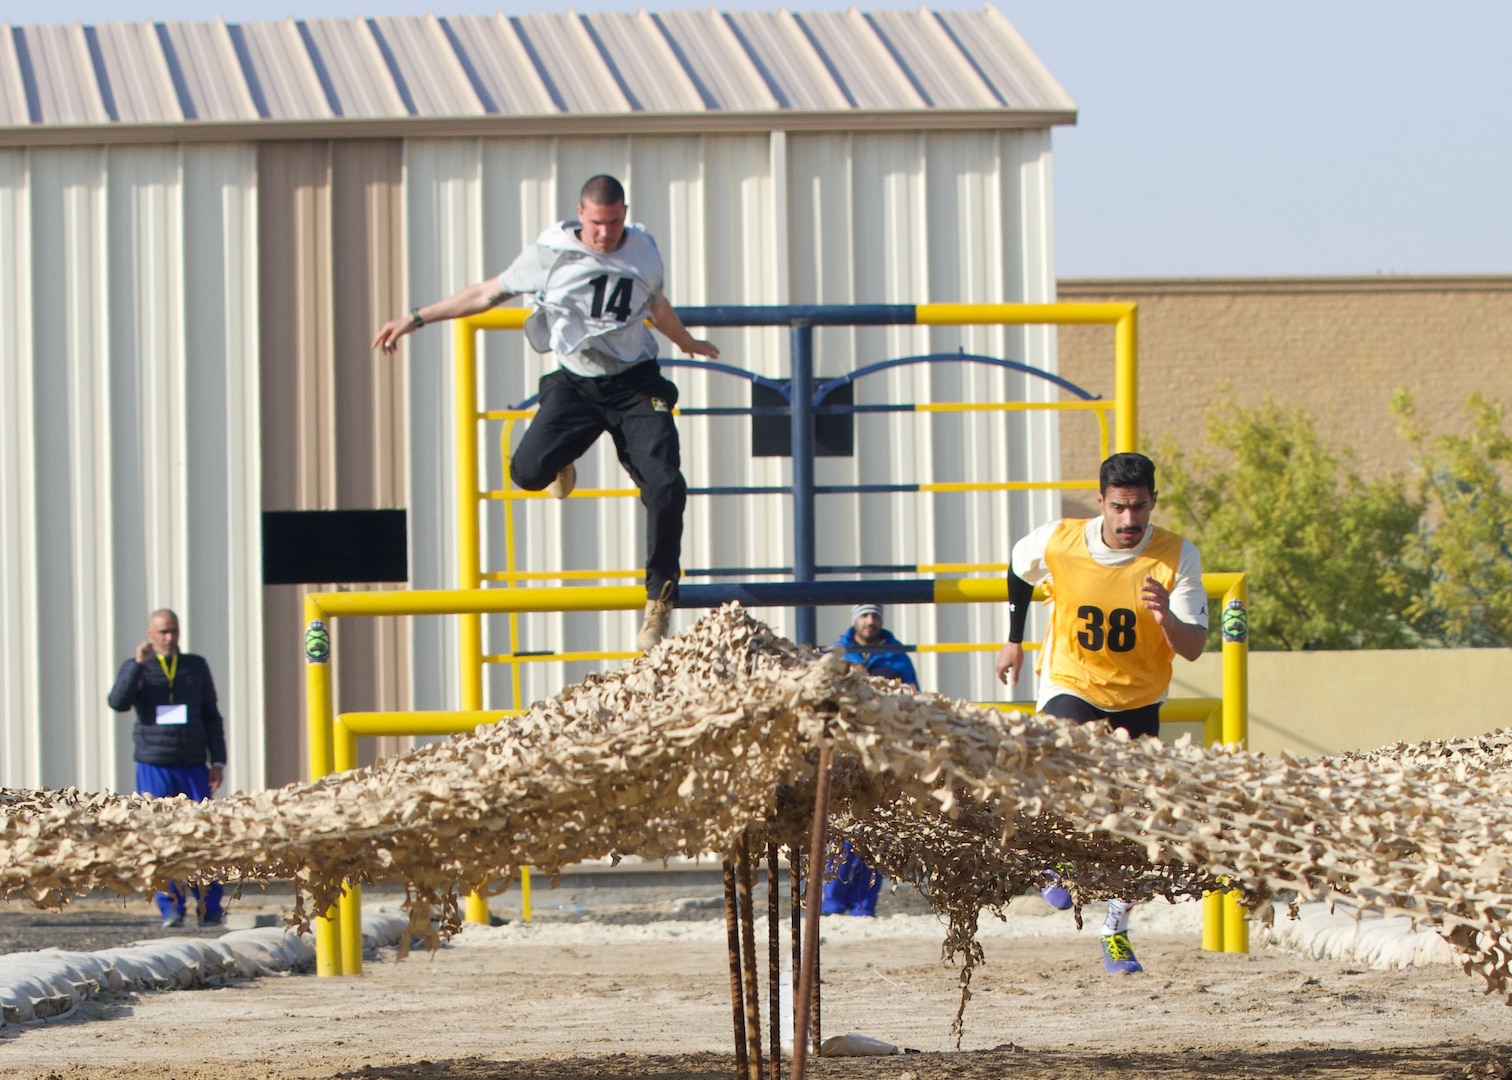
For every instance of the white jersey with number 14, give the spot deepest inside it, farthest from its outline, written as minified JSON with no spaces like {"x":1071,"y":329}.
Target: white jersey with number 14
{"x":590,"y":306}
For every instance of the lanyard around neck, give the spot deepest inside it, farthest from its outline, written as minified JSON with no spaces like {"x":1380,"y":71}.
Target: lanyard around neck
{"x":169,"y":670}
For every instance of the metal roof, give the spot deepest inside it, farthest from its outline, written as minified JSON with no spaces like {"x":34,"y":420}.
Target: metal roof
{"x":567,"y":73}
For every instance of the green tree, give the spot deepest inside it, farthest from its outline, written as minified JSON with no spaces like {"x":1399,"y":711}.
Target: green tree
{"x":1466,"y":553}
{"x":1326,"y":552}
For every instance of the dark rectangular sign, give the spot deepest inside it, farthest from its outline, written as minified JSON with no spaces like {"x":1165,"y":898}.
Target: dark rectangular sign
{"x":334,"y":547}
{"x":772,"y":436}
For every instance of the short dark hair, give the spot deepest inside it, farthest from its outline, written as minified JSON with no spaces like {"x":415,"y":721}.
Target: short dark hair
{"x":602,"y":190}
{"x":1126,"y":471}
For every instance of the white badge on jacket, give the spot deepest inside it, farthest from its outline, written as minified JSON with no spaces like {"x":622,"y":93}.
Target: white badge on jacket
{"x":172,"y":714}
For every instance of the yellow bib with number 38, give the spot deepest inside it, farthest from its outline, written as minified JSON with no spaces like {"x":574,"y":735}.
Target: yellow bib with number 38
{"x":1108,"y":647}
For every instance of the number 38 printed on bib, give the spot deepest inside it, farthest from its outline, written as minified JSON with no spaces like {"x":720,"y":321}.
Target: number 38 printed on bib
{"x":1113,"y":629}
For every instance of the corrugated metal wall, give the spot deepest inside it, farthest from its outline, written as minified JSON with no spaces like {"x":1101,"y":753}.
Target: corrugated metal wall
{"x":333,"y":432}
{"x":758,"y":219}
{"x":184,"y":343}
{"x":130,"y":457}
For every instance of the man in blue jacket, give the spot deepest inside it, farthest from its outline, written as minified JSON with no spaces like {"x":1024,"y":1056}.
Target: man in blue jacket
{"x":866,"y":635}
{"x":853,"y":887}
{"x":179,"y":737}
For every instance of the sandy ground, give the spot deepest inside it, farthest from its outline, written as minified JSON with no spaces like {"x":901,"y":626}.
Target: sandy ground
{"x":636,"y":986}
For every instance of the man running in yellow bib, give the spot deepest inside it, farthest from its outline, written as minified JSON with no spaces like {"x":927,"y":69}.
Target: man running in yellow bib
{"x":1126,"y":598}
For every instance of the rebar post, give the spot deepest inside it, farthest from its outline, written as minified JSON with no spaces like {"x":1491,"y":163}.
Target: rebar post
{"x":737,"y":1003}
{"x":807,"y":996}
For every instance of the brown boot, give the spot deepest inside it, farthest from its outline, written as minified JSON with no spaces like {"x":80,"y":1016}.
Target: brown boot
{"x":566,"y":480}
{"x":658,"y":619}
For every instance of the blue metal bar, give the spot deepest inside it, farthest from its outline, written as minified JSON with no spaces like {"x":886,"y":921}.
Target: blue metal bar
{"x":872,"y":568}
{"x":865,"y":489}
{"x":825,"y":388}
{"x":727,"y":369}
{"x":805,"y":623}
{"x":799,"y":594}
{"x":731,"y":490}
{"x":741,"y":571}
{"x":842,"y":410}
{"x":736,"y":410}
{"x":823,"y":489}
{"x":793,"y":314}
{"x":775,"y":385}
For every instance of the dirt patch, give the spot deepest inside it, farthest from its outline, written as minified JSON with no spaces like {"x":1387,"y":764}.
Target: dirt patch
{"x":573,"y":996}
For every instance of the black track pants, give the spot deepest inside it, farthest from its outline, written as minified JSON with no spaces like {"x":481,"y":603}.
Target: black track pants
{"x":635,"y":408}
{"x":1144,"y":720}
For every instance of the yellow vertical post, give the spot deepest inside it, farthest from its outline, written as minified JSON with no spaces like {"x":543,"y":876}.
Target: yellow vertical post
{"x":344,"y":751}
{"x":349,"y":908}
{"x":1126,"y":382}
{"x":1212,"y":903}
{"x":1212,"y":727}
{"x":1235,"y":626}
{"x":509,"y":563}
{"x":320,"y":716}
{"x":1212,"y":921}
{"x":469,"y":540}
{"x":524,"y":894}
{"x":469,"y":560}
{"x":1235,"y":925}
{"x":475,"y":908}
{"x":1235,"y":616}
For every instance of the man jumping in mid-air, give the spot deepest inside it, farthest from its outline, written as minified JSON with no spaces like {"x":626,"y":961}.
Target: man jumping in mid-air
{"x":594,"y":282}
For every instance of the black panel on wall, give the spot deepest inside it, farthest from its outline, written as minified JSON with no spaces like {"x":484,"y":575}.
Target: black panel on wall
{"x":334,"y":546}
{"x":834,"y":434}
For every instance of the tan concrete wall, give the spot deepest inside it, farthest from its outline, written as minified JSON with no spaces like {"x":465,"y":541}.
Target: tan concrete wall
{"x":1338,"y":346}
{"x":1330,"y":702}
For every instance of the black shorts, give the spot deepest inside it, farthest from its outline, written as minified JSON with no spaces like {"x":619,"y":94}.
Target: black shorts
{"x":1144,"y":720}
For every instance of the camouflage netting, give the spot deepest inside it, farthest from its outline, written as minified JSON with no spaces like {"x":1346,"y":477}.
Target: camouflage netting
{"x":715,"y":735}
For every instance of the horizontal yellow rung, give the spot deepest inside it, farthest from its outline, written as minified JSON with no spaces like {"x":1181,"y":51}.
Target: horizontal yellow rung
{"x":591,"y":575}
{"x":476,"y":601}
{"x":927,"y":407}
{"x":580,"y":493}
{"x":961,"y":568}
{"x":1189,"y":710}
{"x":1173,"y":711}
{"x":558,"y":575}
{"x":421,"y":722}
{"x":1014,"y":485}
{"x":557,"y":658}
{"x":959,"y":590}
{"x":968,"y":646}
{"x":1015,"y":406}
{"x":499,"y":318}
{"x":323,"y":605}
{"x":1071,"y":314}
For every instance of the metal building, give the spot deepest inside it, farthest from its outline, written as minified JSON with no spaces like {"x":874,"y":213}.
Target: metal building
{"x":202,"y":225}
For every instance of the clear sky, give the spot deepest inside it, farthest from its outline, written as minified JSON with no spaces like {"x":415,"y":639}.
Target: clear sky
{"x":1215,"y":137}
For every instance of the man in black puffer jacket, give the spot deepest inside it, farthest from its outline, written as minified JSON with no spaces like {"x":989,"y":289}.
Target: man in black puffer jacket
{"x":179,"y":736}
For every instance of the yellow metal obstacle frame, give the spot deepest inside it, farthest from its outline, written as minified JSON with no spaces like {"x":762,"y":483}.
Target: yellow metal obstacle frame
{"x":1123,"y":407}
{"x":338,"y":935}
